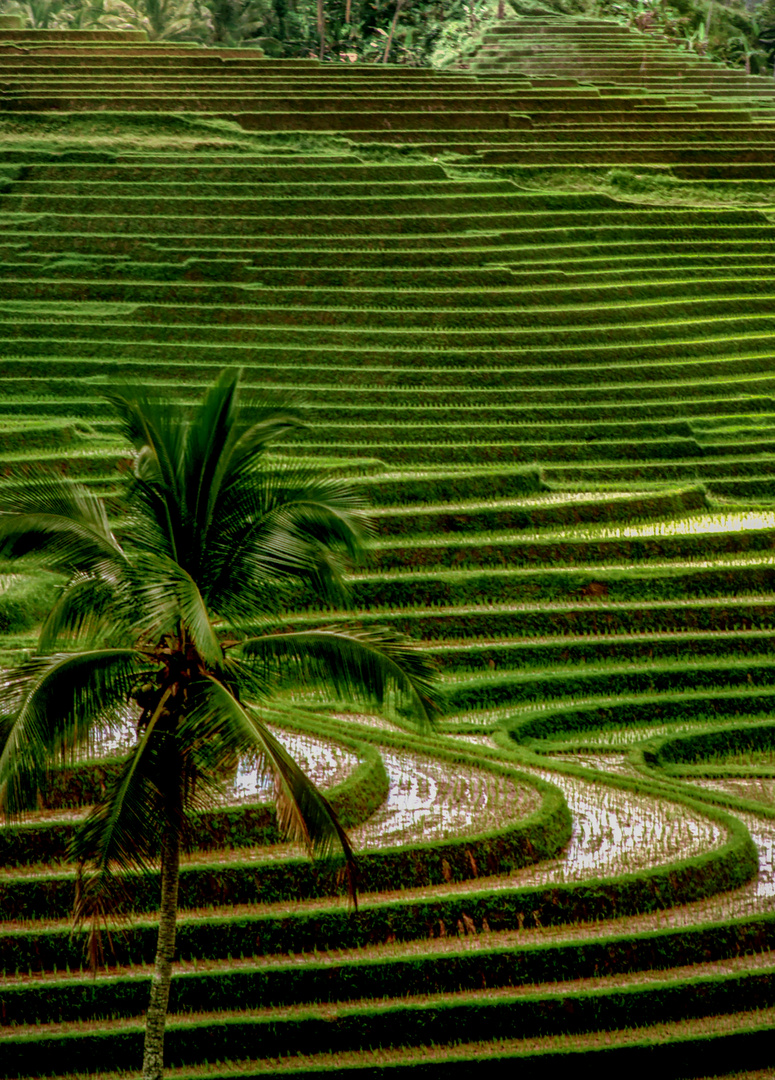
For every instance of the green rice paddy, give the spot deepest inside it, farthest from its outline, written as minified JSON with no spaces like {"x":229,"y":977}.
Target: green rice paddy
{"x":528,"y":303}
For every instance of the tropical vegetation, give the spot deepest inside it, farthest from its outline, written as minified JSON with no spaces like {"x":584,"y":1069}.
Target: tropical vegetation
{"x":164,"y":606}
{"x":529,"y":302}
{"x":430,"y":32}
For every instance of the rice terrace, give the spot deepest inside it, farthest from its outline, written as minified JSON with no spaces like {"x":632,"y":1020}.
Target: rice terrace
{"x":507,"y":327}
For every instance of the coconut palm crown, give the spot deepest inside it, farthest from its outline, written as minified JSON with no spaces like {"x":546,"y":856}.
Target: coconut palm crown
{"x":170,"y":621}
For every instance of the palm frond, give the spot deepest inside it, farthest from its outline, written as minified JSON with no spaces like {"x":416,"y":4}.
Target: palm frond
{"x":58,"y":703}
{"x":124,"y":829}
{"x":288,"y":523}
{"x":169,"y":602}
{"x":185,"y":457}
{"x":269,"y":420}
{"x":149,"y":524}
{"x":88,"y":608}
{"x":101,"y":900}
{"x":157,"y":429}
{"x":123,"y":832}
{"x":62,"y":522}
{"x":292,"y":491}
{"x":209,"y":434}
{"x":303,"y":812}
{"x":221,"y":450}
{"x":258,"y":580}
{"x":364,"y":664}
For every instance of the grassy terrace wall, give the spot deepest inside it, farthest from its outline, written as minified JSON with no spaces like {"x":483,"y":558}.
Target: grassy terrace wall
{"x":529,"y":303}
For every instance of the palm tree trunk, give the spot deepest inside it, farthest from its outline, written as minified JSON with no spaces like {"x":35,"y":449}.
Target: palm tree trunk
{"x":156,"y":1017}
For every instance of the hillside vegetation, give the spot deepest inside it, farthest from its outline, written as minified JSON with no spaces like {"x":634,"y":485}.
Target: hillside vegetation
{"x":416,"y":33}
{"x":528,"y":301}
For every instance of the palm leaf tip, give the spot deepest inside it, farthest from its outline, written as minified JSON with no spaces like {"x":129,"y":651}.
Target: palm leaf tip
{"x":102,"y":903}
{"x":61,"y":521}
{"x":303,"y":812}
{"x":58,"y":703}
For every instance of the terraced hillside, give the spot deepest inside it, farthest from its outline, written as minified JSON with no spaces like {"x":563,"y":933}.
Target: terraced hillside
{"x":558,"y":393}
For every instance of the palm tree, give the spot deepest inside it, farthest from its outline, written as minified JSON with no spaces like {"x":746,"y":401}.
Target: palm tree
{"x":162,"y":20}
{"x":162,"y":614}
{"x":235,"y":22}
{"x":38,"y":14}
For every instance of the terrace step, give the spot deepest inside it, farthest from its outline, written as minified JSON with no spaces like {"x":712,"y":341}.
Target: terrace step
{"x":339,"y":1031}
{"x":544,"y":416}
{"x":548,"y":298}
{"x":247,"y":170}
{"x":706,"y":1047}
{"x":551,"y":653}
{"x":599,"y":619}
{"x":498,"y":686}
{"x":609,"y":582}
{"x":724,"y":536}
{"x":90,"y":37}
{"x":281,"y":983}
{"x":438,"y":312}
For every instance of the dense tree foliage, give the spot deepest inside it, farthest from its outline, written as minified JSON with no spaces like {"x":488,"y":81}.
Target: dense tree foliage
{"x":394,"y":30}
{"x":413,"y":32}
